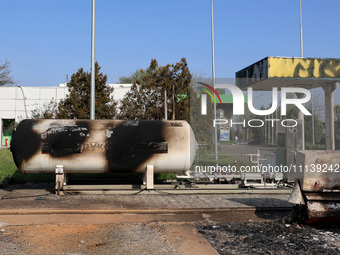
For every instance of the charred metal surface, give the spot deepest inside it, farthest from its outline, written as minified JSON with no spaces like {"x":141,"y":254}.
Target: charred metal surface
{"x":320,"y":170}
{"x":321,"y":196}
{"x":127,"y":148}
{"x":98,"y":146}
{"x":154,"y":147}
{"x":61,"y":141}
{"x":320,"y":181}
{"x":320,"y":210}
{"x":25,"y":142}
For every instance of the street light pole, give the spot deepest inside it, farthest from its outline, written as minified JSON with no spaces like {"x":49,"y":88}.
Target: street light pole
{"x":213,"y":72}
{"x":301,"y":52}
{"x":313,"y":117}
{"x":93,"y":71}
{"x":301,"y":39}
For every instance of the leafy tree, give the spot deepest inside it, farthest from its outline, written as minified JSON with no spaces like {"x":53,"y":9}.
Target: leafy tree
{"x":337,"y":113}
{"x":292,"y":113}
{"x":77,"y":103}
{"x":133,"y":78}
{"x":232,"y":133}
{"x":146,"y":98}
{"x":316,"y":105}
{"x":142,"y":103}
{"x":201,"y":124}
{"x":243,"y":133}
{"x":5,"y":71}
{"x":258,"y":132}
{"x":48,"y":111}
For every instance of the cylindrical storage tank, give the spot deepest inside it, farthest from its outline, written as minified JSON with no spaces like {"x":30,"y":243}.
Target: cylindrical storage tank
{"x":99,"y":146}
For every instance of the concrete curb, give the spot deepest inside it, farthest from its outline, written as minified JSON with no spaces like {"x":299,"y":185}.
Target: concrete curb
{"x":144,"y":211}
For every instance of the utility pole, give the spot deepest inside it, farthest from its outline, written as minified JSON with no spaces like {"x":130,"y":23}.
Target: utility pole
{"x":300,"y":114}
{"x":93,"y":71}
{"x":213,"y":72}
{"x":313,"y":117}
{"x":301,"y":51}
{"x":301,"y":39}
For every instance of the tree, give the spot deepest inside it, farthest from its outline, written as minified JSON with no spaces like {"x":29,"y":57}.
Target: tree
{"x":337,"y":113}
{"x":141,"y":103}
{"x":77,"y":103}
{"x":146,"y":98}
{"x":5,"y":71}
{"x":133,"y":78}
{"x":243,"y":132}
{"x":258,"y":133}
{"x":202,"y":125}
{"x":48,"y":111}
{"x":292,"y":113}
{"x":318,"y":128}
{"x":316,"y":105}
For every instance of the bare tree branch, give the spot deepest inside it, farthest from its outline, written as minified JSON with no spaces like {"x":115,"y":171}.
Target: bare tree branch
{"x":318,"y":105}
{"x":5,"y":71}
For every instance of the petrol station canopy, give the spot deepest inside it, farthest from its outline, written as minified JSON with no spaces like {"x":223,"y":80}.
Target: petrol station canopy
{"x":289,"y":71}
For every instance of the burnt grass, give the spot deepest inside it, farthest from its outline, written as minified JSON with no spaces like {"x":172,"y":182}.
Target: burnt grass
{"x":272,"y":238}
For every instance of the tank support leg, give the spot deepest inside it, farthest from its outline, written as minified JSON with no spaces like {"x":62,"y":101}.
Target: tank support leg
{"x":59,"y":178}
{"x":149,"y":177}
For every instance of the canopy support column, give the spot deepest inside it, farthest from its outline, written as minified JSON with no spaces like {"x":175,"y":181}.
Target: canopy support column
{"x":329,"y":114}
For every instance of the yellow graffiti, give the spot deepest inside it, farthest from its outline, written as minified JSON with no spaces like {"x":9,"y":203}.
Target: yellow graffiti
{"x":304,"y":68}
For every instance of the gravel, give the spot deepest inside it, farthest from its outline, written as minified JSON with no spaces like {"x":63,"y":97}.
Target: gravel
{"x":152,"y":238}
{"x":271,"y":238}
{"x":140,"y":238}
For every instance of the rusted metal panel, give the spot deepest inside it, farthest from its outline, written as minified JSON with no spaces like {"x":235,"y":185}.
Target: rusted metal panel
{"x":95,"y":146}
{"x":318,"y":170}
{"x":320,"y":196}
{"x":323,"y":209}
{"x":319,"y":176}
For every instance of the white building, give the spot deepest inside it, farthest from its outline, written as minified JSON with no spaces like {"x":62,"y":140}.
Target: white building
{"x":18,"y":103}
{"x":119,"y":91}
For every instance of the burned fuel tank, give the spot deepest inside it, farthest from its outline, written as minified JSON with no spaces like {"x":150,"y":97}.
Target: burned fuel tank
{"x":98,"y":146}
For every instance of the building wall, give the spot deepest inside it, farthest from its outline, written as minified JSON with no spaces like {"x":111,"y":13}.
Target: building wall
{"x":18,"y":103}
{"x":120,"y":91}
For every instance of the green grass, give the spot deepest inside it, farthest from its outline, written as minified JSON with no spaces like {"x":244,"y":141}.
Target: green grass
{"x":310,"y":146}
{"x":9,"y":174}
{"x":7,"y":166}
{"x":207,"y":158}
{"x":226,"y":142}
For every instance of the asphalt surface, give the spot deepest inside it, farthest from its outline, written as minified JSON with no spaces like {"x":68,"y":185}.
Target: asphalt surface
{"x":33,"y":220}
{"x":39,"y":197}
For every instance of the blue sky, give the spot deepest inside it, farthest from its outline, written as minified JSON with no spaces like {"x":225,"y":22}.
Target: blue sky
{"x":46,"y":40}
